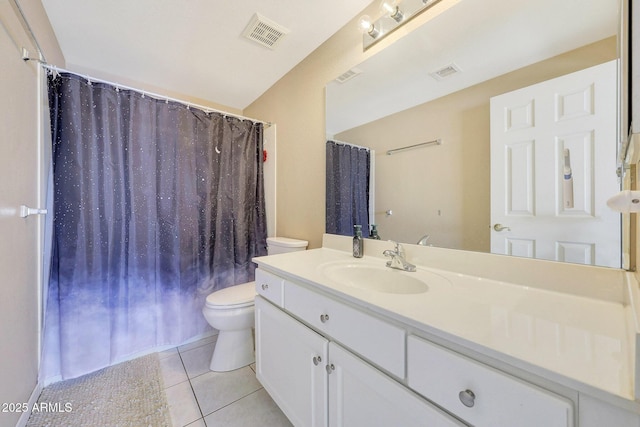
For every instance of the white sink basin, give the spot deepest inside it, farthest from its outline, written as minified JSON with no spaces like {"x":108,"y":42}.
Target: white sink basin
{"x":372,"y":277}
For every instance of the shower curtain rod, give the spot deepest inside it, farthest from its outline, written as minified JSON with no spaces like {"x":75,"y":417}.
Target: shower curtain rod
{"x":349,"y":144}
{"x":155,"y":95}
{"x":43,"y":62}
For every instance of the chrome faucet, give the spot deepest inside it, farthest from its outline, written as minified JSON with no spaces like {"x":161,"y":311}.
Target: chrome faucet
{"x":398,"y":260}
{"x":423,"y":240}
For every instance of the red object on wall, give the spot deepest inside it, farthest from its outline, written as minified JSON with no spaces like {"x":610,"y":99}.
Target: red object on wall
{"x":264,"y":156}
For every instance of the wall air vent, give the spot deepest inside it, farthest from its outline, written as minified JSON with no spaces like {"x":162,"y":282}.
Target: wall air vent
{"x":348,"y":75}
{"x":446,"y":71}
{"x":264,"y":31}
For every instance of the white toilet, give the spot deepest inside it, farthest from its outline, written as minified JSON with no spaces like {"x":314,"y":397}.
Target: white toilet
{"x":231,"y":311}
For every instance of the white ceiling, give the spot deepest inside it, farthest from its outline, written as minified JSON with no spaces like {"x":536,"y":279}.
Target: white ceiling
{"x":193,"y":47}
{"x":484,"y":38}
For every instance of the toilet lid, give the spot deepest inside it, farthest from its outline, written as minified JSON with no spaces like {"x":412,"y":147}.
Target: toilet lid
{"x":238,"y":295}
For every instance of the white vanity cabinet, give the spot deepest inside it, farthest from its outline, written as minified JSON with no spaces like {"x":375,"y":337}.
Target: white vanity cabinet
{"x":471,"y":351}
{"x":328,"y":363}
{"x":317,"y":382}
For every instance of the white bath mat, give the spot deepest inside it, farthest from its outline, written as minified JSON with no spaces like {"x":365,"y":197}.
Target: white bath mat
{"x":129,"y":394}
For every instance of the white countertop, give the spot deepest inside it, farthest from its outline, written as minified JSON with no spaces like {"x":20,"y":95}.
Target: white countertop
{"x":583,"y":342}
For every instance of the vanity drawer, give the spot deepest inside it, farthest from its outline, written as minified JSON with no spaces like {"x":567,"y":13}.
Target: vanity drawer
{"x":491,"y":398}
{"x":375,"y":340}
{"x":269,"y":286}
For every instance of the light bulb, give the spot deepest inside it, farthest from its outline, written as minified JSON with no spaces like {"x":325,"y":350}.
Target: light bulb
{"x":391,"y":8}
{"x":367,"y":25}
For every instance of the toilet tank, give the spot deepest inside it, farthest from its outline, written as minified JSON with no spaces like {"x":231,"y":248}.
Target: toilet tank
{"x":281,"y":245}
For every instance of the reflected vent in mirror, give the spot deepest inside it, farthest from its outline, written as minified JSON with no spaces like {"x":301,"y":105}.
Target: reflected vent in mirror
{"x":348,"y":75}
{"x":264,"y":31}
{"x":446,"y":71}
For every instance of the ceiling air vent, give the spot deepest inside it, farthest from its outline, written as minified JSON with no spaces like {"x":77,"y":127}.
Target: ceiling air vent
{"x":348,"y":75}
{"x":446,"y":71}
{"x":264,"y":31}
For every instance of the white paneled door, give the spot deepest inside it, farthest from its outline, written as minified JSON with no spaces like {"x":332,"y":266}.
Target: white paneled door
{"x":553,"y":163}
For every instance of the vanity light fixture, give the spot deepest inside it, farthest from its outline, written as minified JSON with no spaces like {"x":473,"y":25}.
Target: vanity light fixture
{"x":396,"y":14}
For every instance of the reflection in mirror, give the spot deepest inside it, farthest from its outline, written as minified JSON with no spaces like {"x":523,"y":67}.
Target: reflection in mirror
{"x":348,"y":175}
{"x":500,"y":83}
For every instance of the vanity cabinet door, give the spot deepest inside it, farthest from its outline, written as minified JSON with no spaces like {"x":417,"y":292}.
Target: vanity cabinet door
{"x":479,"y":394}
{"x":360,"y":395}
{"x":290,"y":364}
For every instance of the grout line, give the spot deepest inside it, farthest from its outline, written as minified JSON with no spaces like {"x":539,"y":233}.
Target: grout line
{"x":235,"y":401}
{"x":204,"y":373}
{"x":191,"y":386}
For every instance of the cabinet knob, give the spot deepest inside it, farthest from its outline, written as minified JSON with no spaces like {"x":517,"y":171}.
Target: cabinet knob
{"x":324,"y":318}
{"x":468,"y":398}
{"x":330,"y":368}
{"x":264,"y":286}
{"x":317,"y":360}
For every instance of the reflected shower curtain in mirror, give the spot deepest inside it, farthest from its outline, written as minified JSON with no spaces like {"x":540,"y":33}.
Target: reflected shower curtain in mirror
{"x":156,"y":206}
{"x":347,"y":203}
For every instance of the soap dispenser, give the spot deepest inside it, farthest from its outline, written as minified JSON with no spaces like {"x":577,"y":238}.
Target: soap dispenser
{"x":373,"y":234}
{"x":358,"y":244}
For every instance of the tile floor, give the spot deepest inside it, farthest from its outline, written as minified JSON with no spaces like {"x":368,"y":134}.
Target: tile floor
{"x":198,"y":397}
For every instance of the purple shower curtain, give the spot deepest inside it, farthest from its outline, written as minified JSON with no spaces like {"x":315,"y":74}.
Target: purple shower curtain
{"x":156,"y":206}
{"x":347,"y":188}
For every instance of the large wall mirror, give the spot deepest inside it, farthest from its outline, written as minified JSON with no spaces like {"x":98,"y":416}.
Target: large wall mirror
{"x":511,"y":89}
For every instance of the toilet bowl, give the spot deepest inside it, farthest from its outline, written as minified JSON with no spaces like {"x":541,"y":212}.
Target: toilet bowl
{"x":231,"y":311}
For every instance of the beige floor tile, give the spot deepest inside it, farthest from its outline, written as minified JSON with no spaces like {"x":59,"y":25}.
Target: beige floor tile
{"x":182,"y":404}
{"x":167,"y":353}
{"x":199,"y":343}
{"x":214,"y":390}
{"x":196,"y":361}
{"x":199,"y":423}
{"x":172,"y":370}
{"x":255,"y":410}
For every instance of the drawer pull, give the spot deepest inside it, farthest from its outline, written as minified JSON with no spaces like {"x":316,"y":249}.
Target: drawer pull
{"x":324,"y":318}
{"x":265,"y":286}
{"x":317,"y":360}
{"x":468,"y":398}
{"x":330,"y":368}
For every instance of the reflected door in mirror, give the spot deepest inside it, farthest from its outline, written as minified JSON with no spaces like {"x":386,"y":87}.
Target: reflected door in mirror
{"x":548,"y":193}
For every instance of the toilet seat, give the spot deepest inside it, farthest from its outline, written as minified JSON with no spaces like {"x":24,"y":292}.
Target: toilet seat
{"x":233,"y":297}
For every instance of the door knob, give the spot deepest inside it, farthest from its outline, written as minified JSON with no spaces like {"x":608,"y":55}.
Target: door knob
{"x":468,"y":398}
{"x":500,"y":227}
{"x":26,"y":211}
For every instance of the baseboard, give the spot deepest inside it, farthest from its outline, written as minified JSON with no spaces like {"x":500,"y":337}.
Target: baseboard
{"x":22,"y":422}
